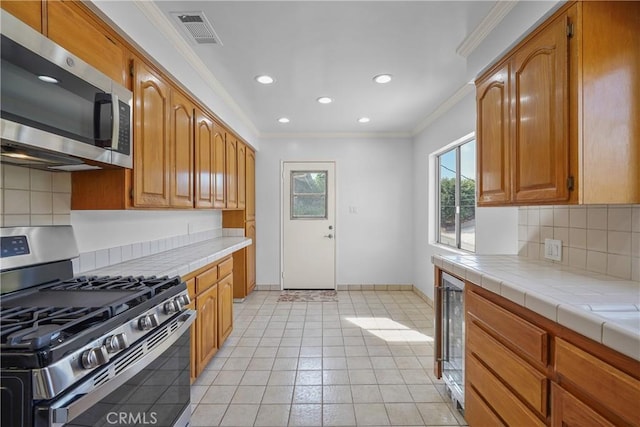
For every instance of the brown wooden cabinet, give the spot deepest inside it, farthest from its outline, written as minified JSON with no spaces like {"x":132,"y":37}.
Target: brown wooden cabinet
{"x":219,"y":167}
{"x":493,"y":137}
{"x":250,"y":185}
{"x":250,"y":232}
{"x":152,"y":157}
{"x":181,"y":144}
{"x":70,"y":25}
{"x":29,"y":12}
{"x":524,"y":369}
{"x":231,"y":171}
{"x":241,"y":174}
{"x":225,"y":307}
{"x":211,"y":289}
{"x":204,"y":164}
{"x":553,"y":125}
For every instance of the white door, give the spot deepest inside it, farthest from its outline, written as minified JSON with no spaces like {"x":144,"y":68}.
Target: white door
{"x":308,"y":225}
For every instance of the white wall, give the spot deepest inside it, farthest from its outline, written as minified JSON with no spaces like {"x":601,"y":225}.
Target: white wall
{"x":374,"y":175}
{"x":496,"y":228}
{"x":96,"y":230}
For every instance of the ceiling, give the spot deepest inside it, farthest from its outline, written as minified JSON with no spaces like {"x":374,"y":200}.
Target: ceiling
{"x":334,"y":49}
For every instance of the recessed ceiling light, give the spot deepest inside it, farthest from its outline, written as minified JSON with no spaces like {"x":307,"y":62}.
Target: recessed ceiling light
{"x":264,"y":79}
{"x":48,"y":79}
{"x":364,"y":120}
{"x":284,"y":120}
{"x":382,"y":78}
{"x":325,"y":100}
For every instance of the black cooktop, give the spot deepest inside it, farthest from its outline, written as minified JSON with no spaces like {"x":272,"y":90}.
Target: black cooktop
{"x":39,"y":325}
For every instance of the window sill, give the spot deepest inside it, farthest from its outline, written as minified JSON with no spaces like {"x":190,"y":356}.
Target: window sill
{"x":451,"y":249}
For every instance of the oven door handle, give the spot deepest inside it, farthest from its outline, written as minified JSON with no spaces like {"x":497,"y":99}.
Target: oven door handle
{"x":84,"y":396}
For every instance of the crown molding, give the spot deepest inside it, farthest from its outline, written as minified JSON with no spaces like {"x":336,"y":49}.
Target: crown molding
{"x":493,"y":18}
{"x":444,"y":107}
{"x":336,"y":135}
{"x":164,"y":25}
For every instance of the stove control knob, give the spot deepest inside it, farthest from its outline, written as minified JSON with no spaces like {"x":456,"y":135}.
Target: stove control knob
{"x":184,"y":299}
{"x":95,"y":357}
{"x":171,"y":307}
{"x":178,"y":303}
{"x":147,"y":322}
{"x":116,"y":343}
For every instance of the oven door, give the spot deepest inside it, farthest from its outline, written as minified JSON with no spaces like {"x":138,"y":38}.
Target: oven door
{"x":146,"y":385}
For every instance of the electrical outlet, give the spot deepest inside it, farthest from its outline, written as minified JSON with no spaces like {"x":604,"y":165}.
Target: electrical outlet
{"x":553,"y":249}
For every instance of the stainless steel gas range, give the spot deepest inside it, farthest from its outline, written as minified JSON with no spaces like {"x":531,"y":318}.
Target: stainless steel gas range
{"x":88,"y":351}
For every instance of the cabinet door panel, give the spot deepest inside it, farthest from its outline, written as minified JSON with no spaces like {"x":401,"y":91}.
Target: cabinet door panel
{"x":219,"y":164}
{"x":151,"y":149}
{"x":241,"y":174}
{"x":207,"y":326}
{"x":225,"y":307}
{"x":232,"y":172}
{"x":204,"y":173}
{"x":250,"y":210}
{"x":601,"y":381}
{"x":181,"y":151}
{"x":477,"y":413}
{"x":29,"y":12}
{"x":540,"y":158}
{"x":493,"y":139}
{"x":568,"y":411}
{"x":70,"y":27}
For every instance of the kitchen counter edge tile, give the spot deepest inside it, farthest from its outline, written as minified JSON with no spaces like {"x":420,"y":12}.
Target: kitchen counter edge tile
{"x":553,"y":291}
{"x":176,"y":262}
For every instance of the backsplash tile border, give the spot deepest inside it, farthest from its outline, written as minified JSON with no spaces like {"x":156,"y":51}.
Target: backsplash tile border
{"x":92,"y":260}
{"x":598,"y":238}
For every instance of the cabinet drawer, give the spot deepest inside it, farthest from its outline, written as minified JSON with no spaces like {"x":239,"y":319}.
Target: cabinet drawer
{"x":611,"y":387}
{"x":530,"y":384}
{"x":191,"y":288}
{"x":225,"y":267}
{"x":569,"y":411}
{"x":206,"y":280}
{"x":503,"y":402}
{"x":526,"y":337}
{"x":477,"y":413}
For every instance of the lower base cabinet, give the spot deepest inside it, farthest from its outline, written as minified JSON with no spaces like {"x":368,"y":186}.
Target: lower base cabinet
{"x":523,"y":369}
{"x":211,"y":293}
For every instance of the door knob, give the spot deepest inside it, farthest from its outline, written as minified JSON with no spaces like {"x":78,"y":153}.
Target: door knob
{"x":331,"y":227}
{"x":329,"y":236}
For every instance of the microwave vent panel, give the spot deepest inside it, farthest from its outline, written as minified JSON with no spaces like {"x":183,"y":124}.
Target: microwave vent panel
{"x":197,"y":26}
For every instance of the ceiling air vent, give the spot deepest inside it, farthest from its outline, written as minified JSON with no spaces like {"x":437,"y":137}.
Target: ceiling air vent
{"x":197,"y":26}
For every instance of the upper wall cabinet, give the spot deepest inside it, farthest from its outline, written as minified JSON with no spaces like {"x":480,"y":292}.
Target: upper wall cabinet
{"x":250,"y":185}
{"x":204,"y":172}
{"x":181,"y":145}
{"x":231,"y":171}
{"x":69,"y":25}
{"x":29,"y":12}
{"x":556,"y":121}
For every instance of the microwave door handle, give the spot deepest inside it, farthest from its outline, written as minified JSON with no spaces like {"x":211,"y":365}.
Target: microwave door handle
{"x":115,"y":121}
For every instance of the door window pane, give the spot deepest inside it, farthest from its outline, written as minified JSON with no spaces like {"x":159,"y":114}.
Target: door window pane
{"x":308,"y":195}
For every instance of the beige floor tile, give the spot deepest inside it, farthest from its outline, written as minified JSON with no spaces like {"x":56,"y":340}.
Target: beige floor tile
{"x":285,"y":363}
{"x":362,"y":376}
{"x":240,"y":415}
{"x":248,"y":394}
{"x":269,"y":352}
{"x":331,"y":363}
{"x":415,"y":376}
{"x":305,"y":415}
{"x":236,"y":364}
{"x":366,"y":393}
{"x":356,"y":350}
{"x":336,"y":394}
{"x":282,"y":378}
{"x":310,"y":363}
{"x":403,"y":414}
{"x":311,"y":351}
{"x":309,"y":378}
{"x":338,"y":415}
{"x":330,"y":377}
{"x":436,"y":414}
{"x":371,"y":414}
{"x":395,"y":393}
{"x":358,"y":362}
{"x":424,"y":393}
{"x":333,"y":351}
{"x":277,"y":394}
{"x":207,"y":415}
{"x":261,"y":364}
{"x":218,"y":394}
{"x":303,"y":394}
{"x":389,"y":376}
{"x":273,"y":415}
{"x":197,"y":391}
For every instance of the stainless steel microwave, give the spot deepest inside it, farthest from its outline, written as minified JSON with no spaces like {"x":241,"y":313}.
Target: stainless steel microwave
{"x":58,"y":112}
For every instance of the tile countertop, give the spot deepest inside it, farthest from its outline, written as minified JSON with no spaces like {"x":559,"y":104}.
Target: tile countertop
{"x":600,"y":307}
{"x":180,"y":261}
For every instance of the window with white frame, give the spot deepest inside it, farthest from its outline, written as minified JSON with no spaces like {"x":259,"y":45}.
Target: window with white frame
{"x":457,"y":196}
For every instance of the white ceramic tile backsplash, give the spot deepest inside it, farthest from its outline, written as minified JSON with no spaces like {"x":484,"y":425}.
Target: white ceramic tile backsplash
{"x":602,"y":239}
{"x":34,"y":197}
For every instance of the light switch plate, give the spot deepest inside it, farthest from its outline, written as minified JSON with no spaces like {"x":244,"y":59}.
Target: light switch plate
{"x":553,"y":249}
